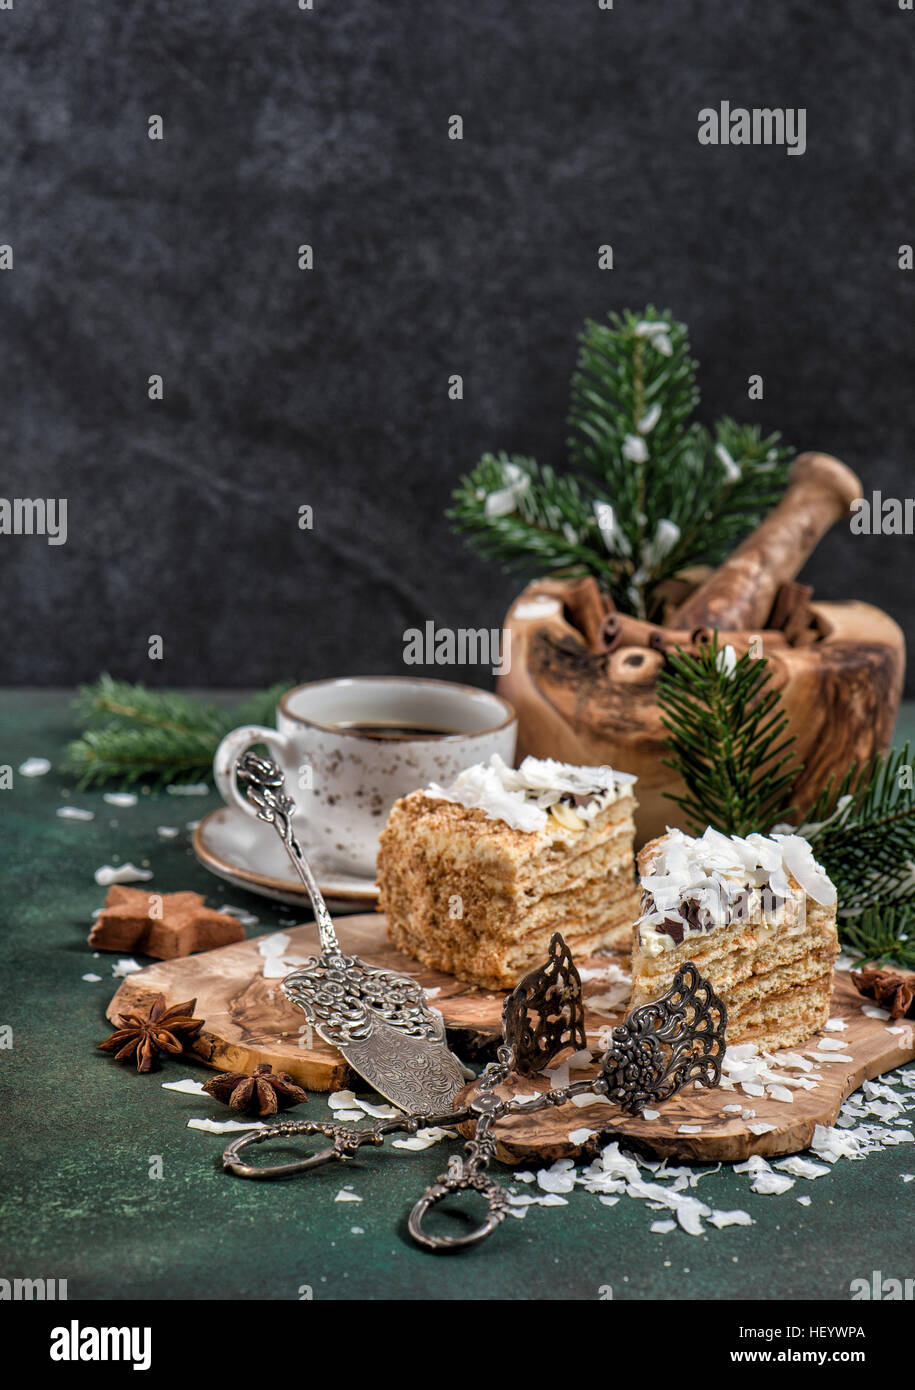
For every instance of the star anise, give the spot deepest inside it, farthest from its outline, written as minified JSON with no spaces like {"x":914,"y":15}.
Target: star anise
{"x":160,"y":1030}
{"x":262,"y":1092}
{"x":889,"y":989}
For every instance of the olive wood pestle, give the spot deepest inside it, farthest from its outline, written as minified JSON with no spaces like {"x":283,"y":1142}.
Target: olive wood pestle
{"x":741,"y":591}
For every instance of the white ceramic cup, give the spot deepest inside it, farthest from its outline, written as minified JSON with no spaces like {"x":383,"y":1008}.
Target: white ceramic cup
{"x":344,"y":781}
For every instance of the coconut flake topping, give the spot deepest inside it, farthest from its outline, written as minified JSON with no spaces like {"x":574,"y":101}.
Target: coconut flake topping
{"x":521,"y":797}
{"x":715,"y":870}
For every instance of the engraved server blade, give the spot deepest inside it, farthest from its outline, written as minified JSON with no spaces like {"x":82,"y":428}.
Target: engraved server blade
{"x":377,"y":1019}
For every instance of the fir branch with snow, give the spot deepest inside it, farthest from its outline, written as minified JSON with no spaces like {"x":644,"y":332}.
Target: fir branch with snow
{"x":648,"y":492}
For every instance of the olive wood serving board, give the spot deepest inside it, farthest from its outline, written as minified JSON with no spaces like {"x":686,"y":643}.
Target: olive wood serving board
{"x":249,"y":1020}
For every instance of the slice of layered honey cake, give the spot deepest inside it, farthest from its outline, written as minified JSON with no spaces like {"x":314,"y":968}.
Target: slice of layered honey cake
{"x":476,"y":877}
{"x":758,"y":918}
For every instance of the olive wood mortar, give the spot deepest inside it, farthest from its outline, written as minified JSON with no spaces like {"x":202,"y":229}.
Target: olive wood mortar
{"x":583,"y":679}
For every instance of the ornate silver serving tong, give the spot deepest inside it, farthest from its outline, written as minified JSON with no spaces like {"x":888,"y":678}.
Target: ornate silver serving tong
{"x":379,"y":1020}
{"x":657,"y":1050}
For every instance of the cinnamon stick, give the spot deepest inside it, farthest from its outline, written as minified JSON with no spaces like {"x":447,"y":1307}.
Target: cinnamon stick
{"x":586,"y":607}
{"x":791,"y":609}
{"x":619,"y":630}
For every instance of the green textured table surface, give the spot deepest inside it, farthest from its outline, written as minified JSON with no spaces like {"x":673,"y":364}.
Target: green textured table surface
{"x":81,"y":1134}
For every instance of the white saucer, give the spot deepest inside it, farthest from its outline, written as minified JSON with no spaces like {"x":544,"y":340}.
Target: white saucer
{"x":248,"y":853}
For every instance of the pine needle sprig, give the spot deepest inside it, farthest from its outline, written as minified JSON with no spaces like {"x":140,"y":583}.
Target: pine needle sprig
{"x":863,"y":832}
{"x":725,"y":728}
{"x":649,"y":491}
{"x":131,"y":732}
{"x":517,"y":512}
{"x":113,"y":701}
{"x":130,"y":754}
{"x":882,"y":933}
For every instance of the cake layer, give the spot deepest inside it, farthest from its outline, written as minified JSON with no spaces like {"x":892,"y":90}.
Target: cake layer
{"x":783,"y":1020}
{"x":457,"y":927}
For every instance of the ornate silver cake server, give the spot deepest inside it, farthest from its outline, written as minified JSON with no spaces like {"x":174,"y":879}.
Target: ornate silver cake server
{"x":379,"y":1020}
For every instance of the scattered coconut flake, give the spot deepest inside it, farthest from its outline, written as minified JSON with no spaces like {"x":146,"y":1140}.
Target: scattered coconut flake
{"x":802,"y":1167}
{"x":123,"y":873}
{"x":580,"y":1136}
{"x":793,"y":1059}
{"x":830,"y":1143}
{"x":835,"y":1025}
{"x":874,"y":1011}
{"x":119,"y":798}
{"x":342,"y":1100}
{"x":731,"y":1109}
{"x":754,"y":1164}
{"x":804,"y":1201}
{"x":74,"y":813}
{"x":830,"y":1045}
{"x":590,"y":1098}
{"x":659,"y":1228}
{"x":167,"y":832}
{"x":349,"y":1115}
{"x":769,"y":1184}
{"x":615,"y":1163}
{"x":345,"y":1196}
{"x":274,"y":944}
{"x":188,"y":1086}
{"x":731,"y":1218}
{"x":275,"y":968}
{"x":689,"y":1129}
{"x":424,"y":1138}
{"x":781,"y":1093}
{"x":92,"y":979}
{"x":760,"y":1127}
{"x":907,"y":1177}
{"x":241,"y":914}
{"x":35,"y":767}
{"x":433,"y":993}
{"x":690,"y":1218}
{"x":188,"y":789}
{"x":380,"y":1112}
{"x":560,"y":1177}
{"x":611,"y":1001}
{"x":651,"y":1114}
{"x":223,"y":1126}
{"x":125,"y":966}
{"x":356,"y":1231}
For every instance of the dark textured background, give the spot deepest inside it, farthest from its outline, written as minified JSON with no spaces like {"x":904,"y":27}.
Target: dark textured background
{"x":432,"y":257}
